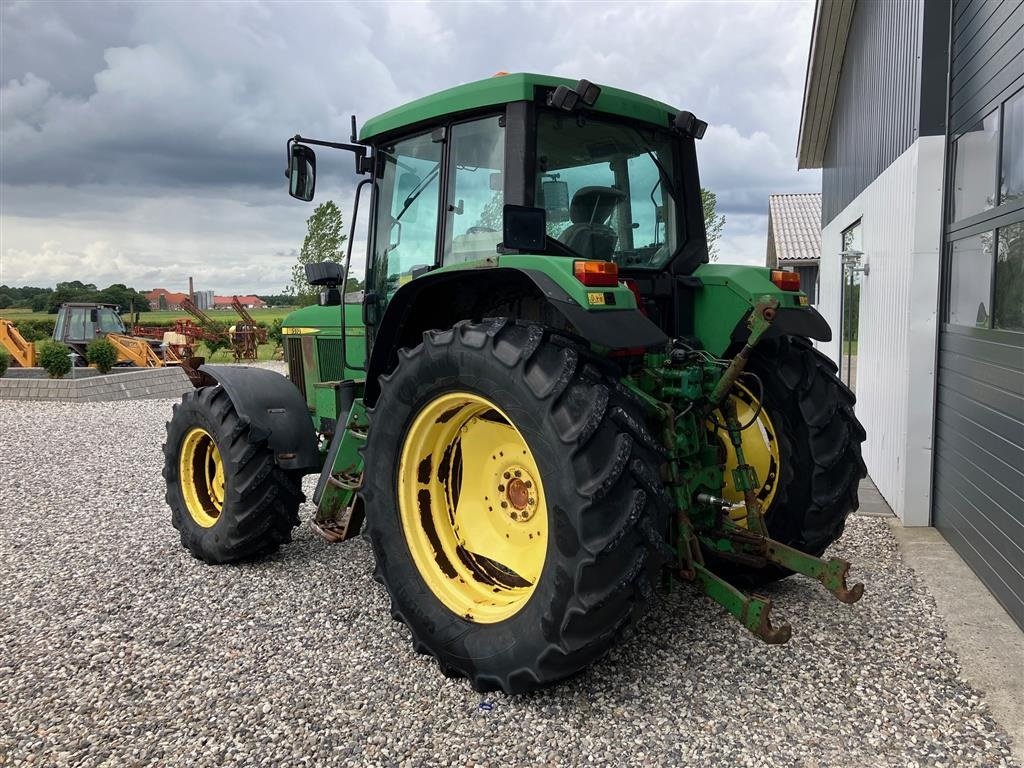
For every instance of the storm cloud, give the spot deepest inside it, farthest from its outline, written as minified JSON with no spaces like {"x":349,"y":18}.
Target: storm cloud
{"x":144,"y":142}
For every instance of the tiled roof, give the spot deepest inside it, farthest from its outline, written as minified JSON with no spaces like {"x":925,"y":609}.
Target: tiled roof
{"x":794,"y":226}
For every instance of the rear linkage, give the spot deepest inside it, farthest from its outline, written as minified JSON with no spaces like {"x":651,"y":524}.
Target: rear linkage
{"x":687,"y":388}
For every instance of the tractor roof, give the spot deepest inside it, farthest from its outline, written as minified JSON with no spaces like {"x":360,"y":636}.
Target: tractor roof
{"x":502,"y":89}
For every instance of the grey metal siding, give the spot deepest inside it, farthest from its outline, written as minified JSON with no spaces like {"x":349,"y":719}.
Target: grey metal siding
{"x":988,"y":57}
{"x":892,"y":90}
{"x":979,"y":457}
{"x":978,"y":480}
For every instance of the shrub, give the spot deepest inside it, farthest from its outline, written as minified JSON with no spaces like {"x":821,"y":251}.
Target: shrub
{"x":274,"y":334}
{"x":35,"y":330}
{"x":102,"y":354}
{"x":54,"y":358}
{"x":5,"y":360}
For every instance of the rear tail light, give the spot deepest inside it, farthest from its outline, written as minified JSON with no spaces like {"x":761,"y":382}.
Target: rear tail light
{"x":787,"y":281}
{"x":597,"y":274}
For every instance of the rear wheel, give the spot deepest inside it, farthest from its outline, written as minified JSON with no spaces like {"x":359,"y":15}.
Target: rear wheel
{"x":513,"y":502}
{"x":804,"y":443}
{"x":228,"y":499}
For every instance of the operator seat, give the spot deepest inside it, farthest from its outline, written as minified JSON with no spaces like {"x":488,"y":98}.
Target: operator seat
{"x":589,"y":234}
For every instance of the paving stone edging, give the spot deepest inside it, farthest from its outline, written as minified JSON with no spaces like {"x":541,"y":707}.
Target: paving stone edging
{"x":152,"y":383}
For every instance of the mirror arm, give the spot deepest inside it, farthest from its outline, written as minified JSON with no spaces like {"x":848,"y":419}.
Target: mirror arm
{"x":363,"y":165}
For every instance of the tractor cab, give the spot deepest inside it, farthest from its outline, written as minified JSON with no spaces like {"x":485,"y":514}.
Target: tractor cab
{"x":529,"y":165}
{"x":80,"y":323}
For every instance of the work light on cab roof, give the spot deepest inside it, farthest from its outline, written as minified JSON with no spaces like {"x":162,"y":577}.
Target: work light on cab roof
{"x":543,"y":399}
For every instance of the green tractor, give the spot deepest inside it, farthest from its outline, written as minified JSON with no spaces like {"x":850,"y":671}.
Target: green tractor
{"x":547,"y":399}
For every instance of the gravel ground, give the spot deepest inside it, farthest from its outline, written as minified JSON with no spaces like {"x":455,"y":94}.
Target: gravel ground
{"x":117,"y":648}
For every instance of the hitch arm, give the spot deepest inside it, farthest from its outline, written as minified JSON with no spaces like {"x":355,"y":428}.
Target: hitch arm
{"x":752,"y":611}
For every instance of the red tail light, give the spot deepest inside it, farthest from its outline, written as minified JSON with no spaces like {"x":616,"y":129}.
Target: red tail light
{"x":597,"y":274}
{"x":787,"y":281}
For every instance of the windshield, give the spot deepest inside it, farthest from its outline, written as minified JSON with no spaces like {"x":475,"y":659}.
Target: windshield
{"x":608,"y":189}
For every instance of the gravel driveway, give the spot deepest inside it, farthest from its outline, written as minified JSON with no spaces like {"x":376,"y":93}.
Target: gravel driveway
{"x":117,"y":648}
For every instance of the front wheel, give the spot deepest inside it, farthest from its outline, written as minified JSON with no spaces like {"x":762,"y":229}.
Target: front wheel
{"x":513,"y":502}
{"x":228,"y":499}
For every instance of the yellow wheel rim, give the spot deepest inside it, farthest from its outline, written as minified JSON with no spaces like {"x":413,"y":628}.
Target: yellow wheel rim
{"x":201,"y":476}
{"x":472,"y":507}
{"x":760,"y":448}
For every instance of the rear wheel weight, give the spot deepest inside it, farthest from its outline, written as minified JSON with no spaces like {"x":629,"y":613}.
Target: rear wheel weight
{"x":536,"y":614}
{"x":228,"y":499}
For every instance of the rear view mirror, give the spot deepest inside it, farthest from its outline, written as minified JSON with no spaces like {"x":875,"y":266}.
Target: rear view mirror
{"x":555,"y":200}
{"x":302,"y":172}
{"x":524,"y":228}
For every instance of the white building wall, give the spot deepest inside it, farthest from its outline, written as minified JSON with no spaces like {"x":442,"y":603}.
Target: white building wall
{"x":900,"y":215}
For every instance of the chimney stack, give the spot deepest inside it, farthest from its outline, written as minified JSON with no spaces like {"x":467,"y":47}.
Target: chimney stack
{"x":191,"y":292}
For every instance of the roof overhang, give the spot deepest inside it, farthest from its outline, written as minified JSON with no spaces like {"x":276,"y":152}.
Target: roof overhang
{"x":824,"y":65}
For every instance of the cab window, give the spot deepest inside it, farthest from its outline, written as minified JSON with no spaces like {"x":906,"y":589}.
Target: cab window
{"x":474,"y":206}
{"x":407,"y":212}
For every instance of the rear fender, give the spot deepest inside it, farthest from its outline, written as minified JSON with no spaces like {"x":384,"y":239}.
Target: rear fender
{"x":276,"y":410}
{"x":441,"y":299}
{"x":725,"y":297}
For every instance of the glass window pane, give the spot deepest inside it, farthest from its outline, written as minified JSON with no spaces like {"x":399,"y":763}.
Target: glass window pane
{"x":974,"y":179}
{"x":970,"y":280}
{"x":406,"y":226}
{"x":609,"y":189}
{"x":1011,"y":186}
{"x":477,"y":198}
{"x":1009,"y":298}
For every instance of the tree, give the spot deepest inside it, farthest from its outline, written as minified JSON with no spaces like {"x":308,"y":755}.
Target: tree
{"x":713,"y":223}
{"x":124,"y":297}
{"x":323,"y":242}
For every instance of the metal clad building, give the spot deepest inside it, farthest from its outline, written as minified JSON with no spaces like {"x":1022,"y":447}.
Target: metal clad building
{"x":914,"y":109}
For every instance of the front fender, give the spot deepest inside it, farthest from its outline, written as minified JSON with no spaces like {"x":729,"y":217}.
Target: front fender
{"x":276,"y":410}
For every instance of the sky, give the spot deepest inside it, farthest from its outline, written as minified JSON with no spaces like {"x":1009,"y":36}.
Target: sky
{"x":145,"y":142}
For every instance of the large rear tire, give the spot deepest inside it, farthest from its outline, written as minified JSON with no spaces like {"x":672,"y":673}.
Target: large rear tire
{"x":809,"y":485}
{"x":513,"y":502}
{"x":228,"y":499}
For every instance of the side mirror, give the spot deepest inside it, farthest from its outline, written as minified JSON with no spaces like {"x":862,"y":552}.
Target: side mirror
{"x":523,"y":228}
{"x":302,"y":172}
{"x":325,"y":273}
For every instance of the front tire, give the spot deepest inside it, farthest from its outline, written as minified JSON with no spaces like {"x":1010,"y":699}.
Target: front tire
{"x":461,"y":411}
{"x":228,"y":499}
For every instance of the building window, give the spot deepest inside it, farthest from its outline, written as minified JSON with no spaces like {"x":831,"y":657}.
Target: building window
{"x":1011,"y":177}
{"x":970,"y":281}
{"x":976,"y":158}
{"x":1008,"y":297}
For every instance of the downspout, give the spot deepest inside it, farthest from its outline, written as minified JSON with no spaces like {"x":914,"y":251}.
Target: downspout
{"x":940,"y":284}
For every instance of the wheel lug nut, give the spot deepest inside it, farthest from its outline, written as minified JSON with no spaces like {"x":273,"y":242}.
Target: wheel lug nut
{"x":501,"y":488}
{"x":504,"y":504}
{"x":518,"y":473}
{"x":507,"y":476}
{"x":528,"y":484}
